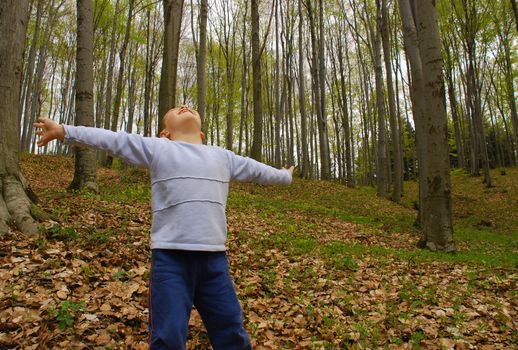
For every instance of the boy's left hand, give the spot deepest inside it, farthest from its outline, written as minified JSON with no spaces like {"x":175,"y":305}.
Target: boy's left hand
{"x":50,"y":130}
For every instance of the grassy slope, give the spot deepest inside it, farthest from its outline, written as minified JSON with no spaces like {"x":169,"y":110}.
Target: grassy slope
{"x":316,"y":265}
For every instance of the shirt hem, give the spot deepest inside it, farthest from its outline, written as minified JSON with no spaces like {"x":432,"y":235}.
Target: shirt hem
{"x":188,"y":246}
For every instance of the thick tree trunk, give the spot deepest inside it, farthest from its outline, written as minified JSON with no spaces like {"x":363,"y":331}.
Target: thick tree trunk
{"x":438,"y":228}
{"x":417,"y":96}
{"x":16,"y":198}
{"x":85,"y":157}
{"x":173,"y":10}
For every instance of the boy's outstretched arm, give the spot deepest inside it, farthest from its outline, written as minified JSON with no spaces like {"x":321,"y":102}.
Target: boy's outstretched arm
{"x":248,"y":169}
{"x":134,"y":148}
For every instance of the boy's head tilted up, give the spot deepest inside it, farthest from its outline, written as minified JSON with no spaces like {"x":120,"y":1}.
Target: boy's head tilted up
{"x":182,"y":123}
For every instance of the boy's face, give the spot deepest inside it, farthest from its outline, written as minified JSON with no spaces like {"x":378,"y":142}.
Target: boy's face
{"x":181,"y":120}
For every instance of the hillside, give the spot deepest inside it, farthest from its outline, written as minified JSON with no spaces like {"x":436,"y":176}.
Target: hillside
{"x":316,"y":265}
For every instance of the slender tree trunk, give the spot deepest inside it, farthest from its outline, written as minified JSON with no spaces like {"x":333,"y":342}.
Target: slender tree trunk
{"x":257,"y":143}
{"x":244,"y":87}
{"x":85,"y":159}
{"x":201,"y":65}
{"x":173,"y":10}
{"x":393,"y":116}
{"x":382,"y":164}
{"x":302,"y":101}
{"x":322,"y":120}
{"x":277,"y":153}
{"x":29,"y":74}
{"x":120,"y":77}
{"x":509,"y":79}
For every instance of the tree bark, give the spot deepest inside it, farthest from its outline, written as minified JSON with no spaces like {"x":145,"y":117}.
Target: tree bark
{"x":16,"y":197}
{"x":257,"y":143}
{"x":382,"y":163}
{"x":173,"y":10}
{"x":302,"y":102}
{"x":201,"y":65}
{"x":120,"y":77}
{"x":393,"y":116}
{"x":85,"y":157}
{"x":322,"y":120}
{"x":437,"y":230}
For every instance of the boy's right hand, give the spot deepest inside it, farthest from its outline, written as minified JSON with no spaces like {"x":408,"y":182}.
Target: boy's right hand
{"x":50,"y":130}
{"x":165,"y":133}
{"x":290,"y":169}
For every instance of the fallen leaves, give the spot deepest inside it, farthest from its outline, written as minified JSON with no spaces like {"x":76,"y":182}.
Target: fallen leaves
{"x":292,"y":299}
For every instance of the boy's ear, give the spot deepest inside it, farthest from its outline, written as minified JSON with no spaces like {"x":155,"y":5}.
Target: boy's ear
{"x":202,"y":134}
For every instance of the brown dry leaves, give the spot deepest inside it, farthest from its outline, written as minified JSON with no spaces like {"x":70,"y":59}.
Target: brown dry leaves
{"x":290,"y":301}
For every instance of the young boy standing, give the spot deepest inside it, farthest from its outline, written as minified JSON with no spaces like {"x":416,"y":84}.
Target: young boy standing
{"x":190,"y":184}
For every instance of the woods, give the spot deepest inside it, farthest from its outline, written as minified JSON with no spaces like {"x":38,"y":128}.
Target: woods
{"x":346,"y":97}
{"x":364,"y":136}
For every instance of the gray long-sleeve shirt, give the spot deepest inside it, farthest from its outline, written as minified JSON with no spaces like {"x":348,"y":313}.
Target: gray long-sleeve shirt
{"x":189,"y":183}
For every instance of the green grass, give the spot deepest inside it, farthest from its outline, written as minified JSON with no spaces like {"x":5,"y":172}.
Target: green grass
{"x":485,"y":246}
{"x":490,"y":246}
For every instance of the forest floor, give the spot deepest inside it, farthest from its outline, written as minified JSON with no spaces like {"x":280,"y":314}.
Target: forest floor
{"x":316,"y":266}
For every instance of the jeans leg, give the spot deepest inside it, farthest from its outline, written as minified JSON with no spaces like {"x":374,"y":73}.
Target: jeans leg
{"x":171,"y":292}
{"x":218,"y":305}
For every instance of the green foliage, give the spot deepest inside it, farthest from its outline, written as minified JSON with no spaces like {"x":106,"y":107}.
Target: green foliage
{"x":67,"y":312}
{"x":61,"y":233}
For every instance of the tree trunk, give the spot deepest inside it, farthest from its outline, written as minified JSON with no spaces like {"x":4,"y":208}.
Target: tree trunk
{"x":277,"y":140}
{"x":85,"y":157}
{"x":29,"y":74}
{"x":393,"y":116}
{"x":438,"y":228}
{"x":302,"y":102}
{"x":120,"y":77}
{"x":454,"y":107}
{"x":382,"y":163}
{"x":173,"y":10}
{"x":322,"y":120}
{"x":16,"y":197}
{"x":201,"y":65}
{"x":510,"y":89}
{"x":244,"y":87}
{"x":257,"y":143}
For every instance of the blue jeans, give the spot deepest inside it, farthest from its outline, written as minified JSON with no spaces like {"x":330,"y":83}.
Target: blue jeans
{"x":181,"y":278}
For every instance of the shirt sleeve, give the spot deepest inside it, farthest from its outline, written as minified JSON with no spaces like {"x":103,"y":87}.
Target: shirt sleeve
{"x":246,"y":169}
{"x":134,"y":148}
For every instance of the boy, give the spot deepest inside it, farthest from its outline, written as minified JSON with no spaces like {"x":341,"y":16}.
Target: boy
{"x":189,"y":181}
